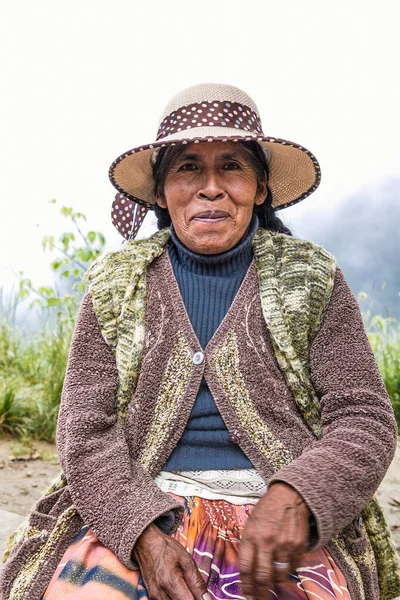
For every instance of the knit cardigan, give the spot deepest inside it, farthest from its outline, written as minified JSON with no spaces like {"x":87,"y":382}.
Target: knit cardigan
{"x":291,"y":372}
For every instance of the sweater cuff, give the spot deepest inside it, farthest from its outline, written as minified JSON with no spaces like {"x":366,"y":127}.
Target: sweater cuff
{"x":133,"y":532}
{"x":314,"y":536}
{"x":166,"y":522}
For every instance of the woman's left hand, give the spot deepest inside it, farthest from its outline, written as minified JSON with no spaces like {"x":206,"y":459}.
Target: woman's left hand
{"x":275,"y":537}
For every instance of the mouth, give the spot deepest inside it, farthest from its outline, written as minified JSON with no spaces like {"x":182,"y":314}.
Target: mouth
{"x":211,"y":216}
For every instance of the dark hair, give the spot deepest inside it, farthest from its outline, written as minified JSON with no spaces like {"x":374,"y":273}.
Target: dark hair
{"x":265,"y":213}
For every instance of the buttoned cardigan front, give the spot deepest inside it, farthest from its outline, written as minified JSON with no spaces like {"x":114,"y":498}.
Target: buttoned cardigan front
{"x":110,"y":462}
{"x":110,"y":469}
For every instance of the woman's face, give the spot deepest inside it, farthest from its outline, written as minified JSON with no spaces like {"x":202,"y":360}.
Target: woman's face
{"x":210,"y":192}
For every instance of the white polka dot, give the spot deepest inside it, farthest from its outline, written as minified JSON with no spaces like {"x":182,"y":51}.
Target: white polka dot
{"x":211,"y":123}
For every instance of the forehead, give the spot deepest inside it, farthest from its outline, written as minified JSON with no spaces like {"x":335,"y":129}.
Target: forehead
{"x":214,"y":150}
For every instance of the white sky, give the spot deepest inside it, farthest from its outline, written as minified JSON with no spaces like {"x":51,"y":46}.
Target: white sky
{"x":85,"y":80}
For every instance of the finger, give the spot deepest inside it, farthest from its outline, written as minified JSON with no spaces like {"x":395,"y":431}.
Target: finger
{"x":285,"y":546}
{"x":193,"y":579}
{"x":301,"y":539}
{"x":263,"y":574}
{"x":246,"y":565}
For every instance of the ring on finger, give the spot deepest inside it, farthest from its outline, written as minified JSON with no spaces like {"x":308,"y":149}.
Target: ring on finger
{"x":281,"y":565}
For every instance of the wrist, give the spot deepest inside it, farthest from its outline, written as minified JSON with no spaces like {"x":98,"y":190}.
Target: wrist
{"x":144,"y":539}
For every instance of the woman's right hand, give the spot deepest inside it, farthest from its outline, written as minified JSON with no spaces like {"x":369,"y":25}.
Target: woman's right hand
{"x":169,"y":572}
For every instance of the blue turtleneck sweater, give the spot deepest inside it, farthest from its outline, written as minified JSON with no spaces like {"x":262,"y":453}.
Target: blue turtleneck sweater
{"x":208,"y":285}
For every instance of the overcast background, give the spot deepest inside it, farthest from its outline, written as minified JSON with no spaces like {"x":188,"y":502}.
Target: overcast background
{"x":85,"y":80}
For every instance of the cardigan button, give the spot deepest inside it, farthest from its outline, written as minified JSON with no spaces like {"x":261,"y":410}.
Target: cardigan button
{"x":233,"y":437}
{"x":198,"y":358}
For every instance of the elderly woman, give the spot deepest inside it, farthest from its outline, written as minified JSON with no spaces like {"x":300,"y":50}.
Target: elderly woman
{"x":223,"y":425}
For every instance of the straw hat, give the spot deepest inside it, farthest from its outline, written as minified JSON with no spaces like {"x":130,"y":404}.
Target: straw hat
{"x":205,"y":113}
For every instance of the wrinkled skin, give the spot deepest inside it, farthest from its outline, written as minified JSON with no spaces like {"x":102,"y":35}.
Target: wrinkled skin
{"x":168,"y":570}
{"x":276,"y":530}
{"x":210,"y":192}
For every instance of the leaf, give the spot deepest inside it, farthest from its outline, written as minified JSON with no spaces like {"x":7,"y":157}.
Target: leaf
{"x":91,"y":236}
{"x":56,"y":264}
{"x":67,"y":212}
{"x":53,"y":302}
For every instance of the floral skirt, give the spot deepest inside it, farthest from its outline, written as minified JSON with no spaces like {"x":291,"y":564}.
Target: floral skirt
{"x":210,"y":531}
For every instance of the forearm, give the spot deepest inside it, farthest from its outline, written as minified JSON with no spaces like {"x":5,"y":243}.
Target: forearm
{"x":338,"y":474}
{"x":113,"y":494}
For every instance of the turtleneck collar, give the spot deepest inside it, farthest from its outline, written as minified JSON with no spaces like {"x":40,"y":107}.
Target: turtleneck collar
{"x":226,"y":263}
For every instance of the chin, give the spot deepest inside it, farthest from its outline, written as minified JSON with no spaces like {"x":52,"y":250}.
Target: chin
{"x":214,"y":247}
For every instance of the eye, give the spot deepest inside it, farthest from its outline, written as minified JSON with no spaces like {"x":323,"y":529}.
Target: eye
{"x":187,"y":167}
{"x":231,"y":166}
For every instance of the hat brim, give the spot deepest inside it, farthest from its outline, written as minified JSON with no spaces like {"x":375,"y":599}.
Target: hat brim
{"x":294,"y":171}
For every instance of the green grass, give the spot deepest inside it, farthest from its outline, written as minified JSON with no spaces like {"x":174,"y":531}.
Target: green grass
{"x":384,"y":336}
{"x":32,"y":373}
{"x":31,"y":379}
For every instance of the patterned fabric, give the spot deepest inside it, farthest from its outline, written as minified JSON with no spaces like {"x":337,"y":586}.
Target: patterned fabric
{"x":117,"y":284}
{"x":210,"y":531}
{"x":127,"y":216}
{"x":118,"y":290}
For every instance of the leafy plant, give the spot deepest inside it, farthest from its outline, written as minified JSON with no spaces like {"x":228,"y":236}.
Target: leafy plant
{"x":32,"y":371}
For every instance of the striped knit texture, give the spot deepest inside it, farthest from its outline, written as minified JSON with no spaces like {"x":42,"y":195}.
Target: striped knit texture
{"x":208,"y":285}
{"x":293,"y":313}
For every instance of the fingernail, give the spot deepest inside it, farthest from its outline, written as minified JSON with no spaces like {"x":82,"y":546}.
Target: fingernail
{"x":206,"y":596}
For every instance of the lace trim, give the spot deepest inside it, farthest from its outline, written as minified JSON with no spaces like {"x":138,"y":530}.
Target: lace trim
{"x":237,"y":486}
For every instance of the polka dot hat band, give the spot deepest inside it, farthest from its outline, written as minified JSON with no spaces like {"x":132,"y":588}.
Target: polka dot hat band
{"x":205,"y":113}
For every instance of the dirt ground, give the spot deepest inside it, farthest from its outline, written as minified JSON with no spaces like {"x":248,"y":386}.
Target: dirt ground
{"x":25,"y":474}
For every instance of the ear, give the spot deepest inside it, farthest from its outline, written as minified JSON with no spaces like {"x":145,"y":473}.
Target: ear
{"x":262,"y":193}
{"x":161,"y":201}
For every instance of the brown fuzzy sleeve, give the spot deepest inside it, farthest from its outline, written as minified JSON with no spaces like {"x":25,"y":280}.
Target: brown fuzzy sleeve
{"x":337,"y":475}
{"x":113,"y":494}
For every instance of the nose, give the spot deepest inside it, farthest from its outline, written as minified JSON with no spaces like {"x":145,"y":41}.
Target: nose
{"x":210,"y":188}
